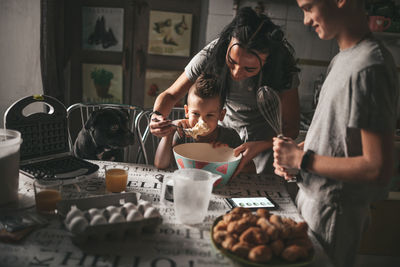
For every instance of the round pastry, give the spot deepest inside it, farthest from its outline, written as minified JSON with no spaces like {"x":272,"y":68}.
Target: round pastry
{"x":151,"y":212}
{"x":134,"y":215}
{"x":98,"y":219}
{"x":73,"y":212}
{"x":116,"y":218}
{"x":78,"y":224}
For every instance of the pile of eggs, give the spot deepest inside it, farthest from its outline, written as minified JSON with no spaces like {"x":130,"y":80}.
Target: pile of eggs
{"x":77,"y":220}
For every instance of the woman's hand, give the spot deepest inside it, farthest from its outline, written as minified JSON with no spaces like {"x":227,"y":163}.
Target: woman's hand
{"x":160,"y":126}
{"x":249,"y":150}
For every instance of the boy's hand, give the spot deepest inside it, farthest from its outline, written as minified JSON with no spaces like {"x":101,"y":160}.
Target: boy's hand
{"x":283,"y":172}
{"x":287,"y":154}
{"x":184,"y":123}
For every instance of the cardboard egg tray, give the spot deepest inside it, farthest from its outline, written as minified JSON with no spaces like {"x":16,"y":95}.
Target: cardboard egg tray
{"x":109,"y":231}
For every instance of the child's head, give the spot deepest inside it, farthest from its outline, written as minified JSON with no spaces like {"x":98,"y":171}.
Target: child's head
{"x":205,"y":102}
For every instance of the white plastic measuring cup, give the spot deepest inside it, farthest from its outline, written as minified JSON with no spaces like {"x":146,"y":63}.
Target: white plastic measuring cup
{"x":192,"y":193}
{"x":10,"y":142}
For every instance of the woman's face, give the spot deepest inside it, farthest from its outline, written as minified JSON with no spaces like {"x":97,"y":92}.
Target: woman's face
{"x":241,"y":63}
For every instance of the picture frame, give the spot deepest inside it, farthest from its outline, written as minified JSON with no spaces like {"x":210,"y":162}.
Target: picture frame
{"x":102,"y":28}
{"x":170,"y":33}
{"x":102,"y":83}
{"x":157,"y":81}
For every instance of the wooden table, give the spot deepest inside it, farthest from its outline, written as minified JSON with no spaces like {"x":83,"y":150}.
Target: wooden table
{"x":173,"y":244}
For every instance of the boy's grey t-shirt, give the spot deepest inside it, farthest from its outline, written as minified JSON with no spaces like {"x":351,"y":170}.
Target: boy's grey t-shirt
{"x":242,"y":113}
{"x":361,"y":91}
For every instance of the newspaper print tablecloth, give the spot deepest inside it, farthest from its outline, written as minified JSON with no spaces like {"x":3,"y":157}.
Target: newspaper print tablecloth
{"x":173,"y":244}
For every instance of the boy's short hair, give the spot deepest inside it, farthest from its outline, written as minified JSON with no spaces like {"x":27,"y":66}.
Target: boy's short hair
{"x":208,"y":86}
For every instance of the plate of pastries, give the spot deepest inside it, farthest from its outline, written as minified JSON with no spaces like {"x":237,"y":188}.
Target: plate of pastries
{"x":262,"y":239}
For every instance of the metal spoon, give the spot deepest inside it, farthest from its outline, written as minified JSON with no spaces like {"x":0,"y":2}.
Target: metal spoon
{"x":185,"y":130}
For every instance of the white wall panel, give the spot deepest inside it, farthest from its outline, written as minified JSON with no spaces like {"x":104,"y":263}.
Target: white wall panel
{"x":306,"y":42}
{"x":19,"y":51}
{"x":221,"y":7}
{"x":294,"y":12}
{"x":215,"y":25}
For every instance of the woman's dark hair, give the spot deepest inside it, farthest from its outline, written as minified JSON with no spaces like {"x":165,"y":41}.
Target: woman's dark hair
{"x":255,"y":33}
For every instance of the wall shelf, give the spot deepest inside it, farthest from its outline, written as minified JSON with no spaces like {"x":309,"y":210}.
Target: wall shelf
{"x":390,"y":38}
{"x":387,"y":35}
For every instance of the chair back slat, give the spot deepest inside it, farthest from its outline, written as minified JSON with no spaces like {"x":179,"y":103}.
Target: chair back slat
{"x":150,"y":142}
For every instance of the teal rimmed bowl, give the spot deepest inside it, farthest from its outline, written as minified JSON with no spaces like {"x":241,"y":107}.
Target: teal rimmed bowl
{"x":218,"y":160}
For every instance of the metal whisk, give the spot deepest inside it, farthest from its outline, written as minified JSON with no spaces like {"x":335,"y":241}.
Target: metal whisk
{"x":269,"y":104}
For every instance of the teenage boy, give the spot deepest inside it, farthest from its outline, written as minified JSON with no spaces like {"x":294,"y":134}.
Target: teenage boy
{"x":204,"y":103}
{"x":347,"y":159}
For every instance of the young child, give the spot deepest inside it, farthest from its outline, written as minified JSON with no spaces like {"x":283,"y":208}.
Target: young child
{"x":347,"y":159}
{"x":204,"y":103}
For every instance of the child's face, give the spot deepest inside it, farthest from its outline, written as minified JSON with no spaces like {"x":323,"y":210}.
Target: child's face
{"x":208,"y":110}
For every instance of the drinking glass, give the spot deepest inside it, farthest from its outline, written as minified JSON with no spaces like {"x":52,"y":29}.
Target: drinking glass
{"x":116,"y":178}
{"x":47,"y":195}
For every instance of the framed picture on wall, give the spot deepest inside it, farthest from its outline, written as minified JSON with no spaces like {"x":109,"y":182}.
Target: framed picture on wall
{"x":156,"y":82}
{"x":170,"y":33}
{"x":102,"y":83}
{"x":102,"y":28}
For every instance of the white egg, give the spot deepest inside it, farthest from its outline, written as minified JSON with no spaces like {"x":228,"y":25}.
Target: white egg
{"x":151,"y":212}
{"x":78,"y":224}
{"x":116,"y":218}
{"x":127,"y":207}
{"x":93,"y":212}
{"x":73,"y":212}
{"x":134,"y":215}
{"x":112,"y":210}
{"x":98,"y":219}
{"x":143,"y":205}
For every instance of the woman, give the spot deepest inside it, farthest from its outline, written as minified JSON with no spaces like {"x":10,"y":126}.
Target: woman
{"x":249,"y":53}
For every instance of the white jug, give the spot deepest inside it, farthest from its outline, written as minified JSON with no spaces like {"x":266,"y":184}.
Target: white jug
{"x":192,"y":193}
{"x":10,"y":142}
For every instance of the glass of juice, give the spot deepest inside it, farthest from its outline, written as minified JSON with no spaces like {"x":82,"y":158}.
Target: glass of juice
{"x":116,"y":178}
{"x":47,"y":195}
